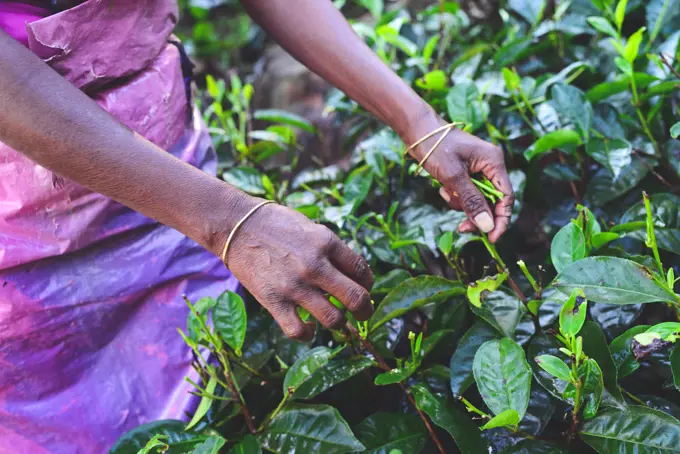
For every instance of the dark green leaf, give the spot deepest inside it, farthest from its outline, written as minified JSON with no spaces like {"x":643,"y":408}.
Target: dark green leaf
{"x":552,"y":140}
{"x":593,"y":385}
{"x":554,"y":366}
{"x":382,"y":432}
{"x":179,"y":439}
{"x":334,"y":372}
{"x":464,"y":105}
{"x":568,"y":246}
{"x":615,"y":318}
{"x":666,"y":216}
{"x":675,"y":130}
{"x":595,"y":346}
{"x":539,"y":412}
{"x":309,"y":428}
{"x":230,"y":319}
{"x":288,"y":118}
{"x":459,"y":425}
{"x":305,"y":366}
{"x":389,"y":281}
{"x":534,"y":447}
{"x":636,"y":429}
{"x":613,"y":280}
{"x":503,"y":376}
{"x":502,"y":310}
{"x":602,"y":25}
{"x":603,"y":188}
{"x":622,"y":353}
{"x":413,"y":294}
{"x":530,"y":10}
{"x":615,"y":155}
{"x":247,"y":179}
{"x":248,"y":445}
{"x":675,"y":367}
{"x":463,"y":357}
{"x":659,"y":12}
{"x":507,"y":418}
{"x":571,"y":103}
{"x":357,"y":185}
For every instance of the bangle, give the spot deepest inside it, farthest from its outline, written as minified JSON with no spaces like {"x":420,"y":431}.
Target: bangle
{"x":238,"y":224}
{"x":446,"y":129}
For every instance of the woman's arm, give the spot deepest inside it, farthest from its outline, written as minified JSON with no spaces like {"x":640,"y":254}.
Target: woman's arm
{"x":280,"y":256}
{"x":317,"y":34}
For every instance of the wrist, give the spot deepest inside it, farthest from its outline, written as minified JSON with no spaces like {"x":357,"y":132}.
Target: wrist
{"x":421,"y":122}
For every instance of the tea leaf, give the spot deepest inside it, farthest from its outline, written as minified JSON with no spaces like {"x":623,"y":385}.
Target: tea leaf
{"x":613,"y":280}
{"x":463,"y":357}
{"x":464,"y":105}
{"x":595,"y":346}
{"x":309,"y":428}
{"x":622,"y":353}
{"x":177,"y":437}
{"x":534,"y":447}
{"x":552,"y":140}
{"x":487,"y":285}
{"x":615,"y":155}
{"x":675,"y":130}
{"x":602,"y":25}
{"x":633,"y":46}
{"x":620,"y":13}
{"x":593,"y":385}
{"x":445,"y":243}
{"x":393,"y":376}
{"x":210,"y":446}
{"x":413,"y":294}
{"x":202,"y":306}
{"x":286,"y":118}
{"x":658,"y":14}
{"x":571,"y":103}
{"x":464,"y":432}
{"x":248,"y":445}
{"x":305,"y":366}
{"x":666,"y":216}
{"x":542,"y":344}
{"x":554,"y":366}
{"x":382,"y":432}
{"x":539,"y":412}
{"x":204,"y":405}
{"x":334,"y":372}
{"x":573,"y":313}
{"x":230,"y":319}
{"x":603,"y":238}
{"x":503,"y":376}
{"x":530,"y":10}
{"x":568,"y":246}
{"x":603,"y":187}
{"x":502,"y":310}
{"x":507,"y":418}
{"x":635,"y":429}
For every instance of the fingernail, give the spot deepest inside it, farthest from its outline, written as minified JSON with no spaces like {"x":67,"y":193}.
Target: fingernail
{"x":445,"y":195}
{"x":484,"y":222}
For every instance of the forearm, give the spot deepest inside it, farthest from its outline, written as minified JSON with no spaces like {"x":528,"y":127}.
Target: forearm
{"x":317,"y":34}
{"x":54,"y":124}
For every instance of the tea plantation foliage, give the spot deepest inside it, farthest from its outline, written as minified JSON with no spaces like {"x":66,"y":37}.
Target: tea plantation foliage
{"x":561,"y":340}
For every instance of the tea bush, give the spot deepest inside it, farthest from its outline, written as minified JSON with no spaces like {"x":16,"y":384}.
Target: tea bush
{"x":562,"y":340}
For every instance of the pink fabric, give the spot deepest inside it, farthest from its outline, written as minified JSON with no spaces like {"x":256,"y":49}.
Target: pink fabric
{"x":90,"y":291}
{"x":14,"y":16}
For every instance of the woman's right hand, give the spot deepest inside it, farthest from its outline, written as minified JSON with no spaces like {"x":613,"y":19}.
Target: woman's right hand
{"x":286,"y":260}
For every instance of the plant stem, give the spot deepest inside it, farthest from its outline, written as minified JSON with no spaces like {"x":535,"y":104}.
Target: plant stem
{"x":472,"y":408}
{"x":643,"y":120}
{"x":651,"y":237}
{"x":502,"y":267}
{"x":233,"y":387}
{"x":530,"y":278}
{"x":273,"y":414}
{"x":634,"y":398}
{"x":383,"y":365}
{"x":665,"y":61}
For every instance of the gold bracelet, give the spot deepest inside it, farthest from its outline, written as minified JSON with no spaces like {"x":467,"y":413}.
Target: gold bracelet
{"x":238,"y":224}
{"x":446,"y":129}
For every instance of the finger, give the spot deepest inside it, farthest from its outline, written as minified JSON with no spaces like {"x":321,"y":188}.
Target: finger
{"x":472,"y":201}
{"x":351,"y":264}
{"x":503,"y":209}
{"x":352,"y":295}
{"x":321,"y":309}
{"x":285,"y":314}
{"x":467,"y":227}
{"x":453,"y":202}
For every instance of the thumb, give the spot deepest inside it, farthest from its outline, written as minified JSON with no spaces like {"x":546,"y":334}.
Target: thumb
{"x":473,"y":203}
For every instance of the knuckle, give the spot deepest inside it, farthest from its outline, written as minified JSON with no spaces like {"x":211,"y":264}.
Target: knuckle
{"x":333,"y":318}
{"x":472,"y":202}
{"x":312,"y":269}
{"x":326,"y":239}
{"x":357,"y":298}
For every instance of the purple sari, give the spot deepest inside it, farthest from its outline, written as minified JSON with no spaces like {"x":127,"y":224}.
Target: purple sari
{"x":90,"y":291}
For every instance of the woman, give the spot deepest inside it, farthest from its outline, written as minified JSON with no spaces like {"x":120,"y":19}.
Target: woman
{"x":90,"y":288}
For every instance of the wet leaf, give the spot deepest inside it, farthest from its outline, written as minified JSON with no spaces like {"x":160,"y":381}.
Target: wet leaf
{"x":305,"y":366}
{"x":593,"y":385}
{"x":573,"y":313}
{"x":334,"y":372}
{"x":612,"y":280}
{"x":556,"y":139}
{"x":210,"y":446}
{"x":615,"y":155}
{"x":393,"y":376}
{"x":636,"y":429}
{"x":542,"y":344}
{"x":382,"y":432}
{"x":534,"y":447}
{"x":286,"y":118}
{"x":179,"y":439}
{"x":502,"y":310}
{"x":554,"y":366}
{"x":309,"y":428}
{"x":248,"y":445}
{"x":622,"y":351}
{"x":247,"y":179}
{"x":539,"y":412}
{"x":463,"y":358}
{"x":595,"y":346}
{"x":413,"y":294}
{"x":459,"y":425}
{"x":503,"y":376}
{"x":571,"y":103}
{"x":615,"y":318}
{"x":604,"y":188}
{"x":666,"y":216}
